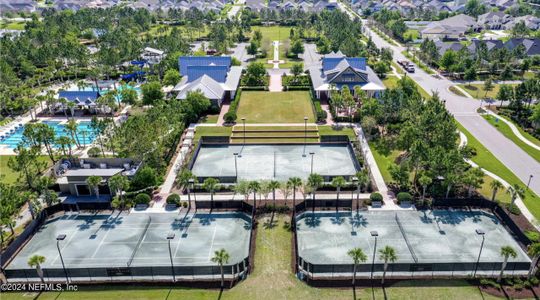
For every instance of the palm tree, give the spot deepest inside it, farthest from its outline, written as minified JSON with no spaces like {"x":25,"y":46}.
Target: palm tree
{"x":274,"y":185}
{"x":221,"y":257}
{"x":363,"y":178}
{"x":314,"y":182}
{"x":388,"y":254}
{"x":506,"y":252}
{"x":294,"y":183}
{"x":534,"y":252}
{"x":93,"y":183}
{"x":424,"y":181}
{"x":183,"y":180}
{"x":211,"y":185}
{"x":495,"y":186}
{"x":338,"y":182}
{"x":119,"y":184}
{"x":254,"y":187}
{"x":36,"y":261}
{"x":357,"y":256}
{"x":515,"y":191}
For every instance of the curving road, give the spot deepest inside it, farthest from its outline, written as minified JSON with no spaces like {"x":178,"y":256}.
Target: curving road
{"x":464,"y":110}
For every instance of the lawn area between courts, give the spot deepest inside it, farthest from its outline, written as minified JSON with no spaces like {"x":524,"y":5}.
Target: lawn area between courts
{"x":7,"y":175}
{"x":488,"y":161}
{"x":275,"y":107}
{"x":477,"y":91}
{"x":383,"y":161}
{"x":507,"y":132}
{"x":271,"y":279}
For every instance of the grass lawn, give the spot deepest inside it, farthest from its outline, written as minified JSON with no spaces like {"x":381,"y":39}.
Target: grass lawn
{"x":333,"y":130}
{"x":13,"y":25}
{"x":271,"y":279}
{"x":413,"y":33}
{"x":7,"y":175}
{"x":276,"y":33}
{"x":384,"y":160}
{"x":487,"y":192}
{"x":487,"y":161}
{"x":507,"y":132}
{"x":209,"y":119}
{"x":524,"y":133}
{"x":390,"y":82}
{"x":398,"y":68}
{"x":477,"y":90}
{"x":275,"y":107}
{"x":212,"y":131}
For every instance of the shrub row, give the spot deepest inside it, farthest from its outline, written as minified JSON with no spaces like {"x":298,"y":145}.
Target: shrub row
{"x":302,"y":80}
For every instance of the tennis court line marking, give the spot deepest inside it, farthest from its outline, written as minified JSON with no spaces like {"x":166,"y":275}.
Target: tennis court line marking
{"x":100,"y":243}
{"x":212,"y":243}
{"x":71,"y":234}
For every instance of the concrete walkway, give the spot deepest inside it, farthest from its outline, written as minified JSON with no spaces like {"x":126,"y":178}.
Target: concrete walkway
{"x":275,"y":82}
{"x":519,"y":202}
{"x":515,"y":130}
{"x":224,"y":109}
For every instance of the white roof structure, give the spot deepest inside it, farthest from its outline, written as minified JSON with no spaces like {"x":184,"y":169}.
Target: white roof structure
{"x":205,"y":84}
{"x":372,"y":87}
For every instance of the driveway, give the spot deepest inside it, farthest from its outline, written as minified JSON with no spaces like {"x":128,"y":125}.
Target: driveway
{"x":239,"y":51}
{"x":310,"y":56}
{"x":464,"y":110}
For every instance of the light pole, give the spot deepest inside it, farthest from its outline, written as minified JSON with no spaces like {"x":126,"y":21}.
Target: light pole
{"x":374,"y":234}
{"x":170,"y":237}
{"x":355,"y":183}
{"x":312,"y":154}
{"x":236,"y":166}
{"x":483,"y":234}
{"x":529,"y":182}
{"x":191,"y":182}
{"x":305,"y":135}
{"x":59,"y":238}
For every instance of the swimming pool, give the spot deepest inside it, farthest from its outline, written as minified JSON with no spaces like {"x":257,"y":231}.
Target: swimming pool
{"x":84,"y":131}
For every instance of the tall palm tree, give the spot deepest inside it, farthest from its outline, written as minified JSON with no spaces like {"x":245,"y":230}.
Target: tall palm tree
{"x":534,"y":252}
{"x":388,"y":254}
{"x":221,"y":257}
{"x":338,"y":182}
{"x":363,"y":178}
{"x":495,"y":186}
{"x":314,"y":182}
{"x":211,"y":185}
{"x":294,"y":183}
{"x":357,"y":256}
{"x":36,"y":261}
{"x":274,"y":185}
{"x":506,"y":252}
{"x":93,"y":183}
{"x":119,"y":184}
{"x":254,"y":187}
{"x":516,"y":191}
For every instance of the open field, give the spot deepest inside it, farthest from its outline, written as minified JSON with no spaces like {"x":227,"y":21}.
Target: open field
{"x":276,"y":33}
{"x":477,"y":90}
{"x":271,"y":279}
{"x":488,"y":161}
{"x":276,"y":107}
{"x":507,"y":132}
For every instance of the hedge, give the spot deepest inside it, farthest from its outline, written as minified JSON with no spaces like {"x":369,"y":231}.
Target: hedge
{"x":142,"y":199}
{"x":404,"y":197}
{"x":173,"y":199}
{"x":376,"y":197}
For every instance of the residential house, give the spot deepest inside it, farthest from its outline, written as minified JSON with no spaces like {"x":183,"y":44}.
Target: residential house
{"x":450,"y":28}
{"x":214,"y":76}
{"x":493,"y":20}
{"x":71,"y":176}
{"x":531,"y":46}
{"x":532,"y":22}
{"x":255,"y":5}
{"x":437,"y":5}
{"x":17,"y":6}
{"x":152,"y":55}
{"x":337,"y":70}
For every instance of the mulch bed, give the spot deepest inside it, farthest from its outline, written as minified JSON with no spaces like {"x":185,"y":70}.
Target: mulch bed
{"x":509,"y":292}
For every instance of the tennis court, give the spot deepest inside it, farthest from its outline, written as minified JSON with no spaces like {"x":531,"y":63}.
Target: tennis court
{"x":137,"y":240}
{"x":439,"y":240}
{"x":280,"y":162}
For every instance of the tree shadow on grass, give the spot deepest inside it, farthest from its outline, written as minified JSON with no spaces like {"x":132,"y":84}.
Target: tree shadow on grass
{"x":269,"y":224}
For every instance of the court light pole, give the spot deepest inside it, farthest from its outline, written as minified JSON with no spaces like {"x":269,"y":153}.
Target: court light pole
{"x":483,"y":234}
{"x":236,"y":165}
{"x":354,"y":180}
{"x":305,"y":135}
{"x":191,"y":182}
{"x":59,"y":238}
{"x":374,"y":234}
{"x":170,"y":237}
{"x":529,"y":182}
{"x":312,"y":154}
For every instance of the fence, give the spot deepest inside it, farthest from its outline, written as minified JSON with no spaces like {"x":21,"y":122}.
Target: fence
{"x":150,"y":273}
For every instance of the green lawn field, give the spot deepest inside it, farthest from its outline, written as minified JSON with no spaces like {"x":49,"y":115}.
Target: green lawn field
{"x":276,"y":33}
{"x":7,"y":175}
{"x":275,"y":107}
{"x":271,"y":279}
{"x":477,"y":90}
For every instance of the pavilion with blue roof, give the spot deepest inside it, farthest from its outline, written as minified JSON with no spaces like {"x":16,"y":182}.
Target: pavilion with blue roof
{"x":337,"y":70}
{"x":214,"y":76}
{"x":80,"y":98}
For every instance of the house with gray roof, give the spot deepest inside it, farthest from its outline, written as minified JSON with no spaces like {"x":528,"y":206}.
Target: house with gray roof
{"x":17,"y":6}
{"x":494,"y":20}
{"x":532,"y":22}
{"x":531,"y":46}
{"x":337,"y":70}
{"x":255,"y":5}
{"x":450,"y":28}
{"x":214,"y":76}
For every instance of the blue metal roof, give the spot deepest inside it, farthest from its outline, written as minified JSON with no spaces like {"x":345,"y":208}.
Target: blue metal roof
{"x":80,"y":95}
{"x":355,"y":62}
{"x":218,"y":73}
{"x":186,"y":61}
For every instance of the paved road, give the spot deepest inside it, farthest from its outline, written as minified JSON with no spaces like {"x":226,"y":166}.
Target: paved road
{"x":310,"y":56}
{"x":464,"y":110}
